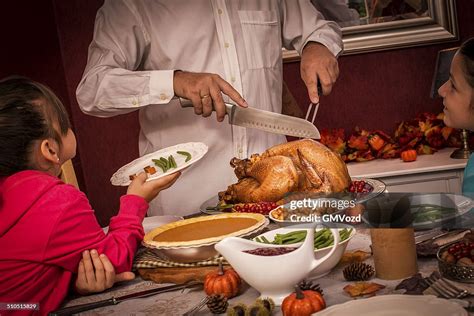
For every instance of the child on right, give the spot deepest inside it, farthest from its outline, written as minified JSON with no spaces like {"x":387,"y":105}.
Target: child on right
{"x":458,"y":101}
{"x":46,"y":226}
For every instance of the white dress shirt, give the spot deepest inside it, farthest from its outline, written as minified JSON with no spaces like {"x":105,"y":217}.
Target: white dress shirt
{"x":137,"y":45}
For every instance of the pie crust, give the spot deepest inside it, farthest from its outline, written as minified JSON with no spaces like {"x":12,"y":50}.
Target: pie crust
{"x":203,"y":230}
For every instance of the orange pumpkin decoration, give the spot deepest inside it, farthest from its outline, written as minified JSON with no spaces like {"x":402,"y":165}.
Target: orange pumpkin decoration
{"x":223,"y":281}
{"x":408,"y":155}
{"x":376,"y":142}
{"x":302,"y":303}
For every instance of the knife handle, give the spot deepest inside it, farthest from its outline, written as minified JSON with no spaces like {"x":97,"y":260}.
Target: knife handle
{"x":229,"y":111}
{"x":84,"y":307}
{"x":185,"y":103}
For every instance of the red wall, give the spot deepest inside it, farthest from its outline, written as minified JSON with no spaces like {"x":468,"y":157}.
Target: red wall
{"x":48,"y":42}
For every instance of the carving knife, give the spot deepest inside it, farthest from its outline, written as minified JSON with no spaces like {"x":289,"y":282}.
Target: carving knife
{"x":266,"y":121}
{"x":115,"y":300}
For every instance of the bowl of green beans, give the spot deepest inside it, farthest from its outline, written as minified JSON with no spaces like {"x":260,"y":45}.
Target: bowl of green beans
{"x":323,"y":240}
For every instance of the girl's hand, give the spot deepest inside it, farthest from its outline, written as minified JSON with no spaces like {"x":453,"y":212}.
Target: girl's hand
{"x":149,"y":190}
{"x":96,"y":273}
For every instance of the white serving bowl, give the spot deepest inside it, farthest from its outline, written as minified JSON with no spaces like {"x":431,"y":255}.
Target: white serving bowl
{"x":326,"y":266}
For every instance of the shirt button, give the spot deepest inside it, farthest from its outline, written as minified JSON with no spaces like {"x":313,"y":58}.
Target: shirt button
{"x":219,"y":11}
{"x":232,"y":79}
{"x":134,"y":102}
{"x":226,"y":45}
{"x":240,"y":151}
{"x":163,"y":96}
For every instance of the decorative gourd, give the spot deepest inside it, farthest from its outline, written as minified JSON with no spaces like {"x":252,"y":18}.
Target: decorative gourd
{"x":376,"y":142}
{"x":302,"y":303}
{"x":408,"y":155}
{"x":223,"y":281}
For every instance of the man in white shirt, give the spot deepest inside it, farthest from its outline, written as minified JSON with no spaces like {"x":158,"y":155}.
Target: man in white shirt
{"x":146,"y":52}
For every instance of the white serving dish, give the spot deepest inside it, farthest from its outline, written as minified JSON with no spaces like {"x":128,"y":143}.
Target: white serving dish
{"x":273,"y":276}
{"x":327,"y":265}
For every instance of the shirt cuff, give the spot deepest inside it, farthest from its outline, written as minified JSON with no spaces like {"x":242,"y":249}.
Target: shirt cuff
{"x":161,"y":86}
{"x":333,"y":47}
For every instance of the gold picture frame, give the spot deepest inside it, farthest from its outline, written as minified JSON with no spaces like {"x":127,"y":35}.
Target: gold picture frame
{"x":440,"y":25}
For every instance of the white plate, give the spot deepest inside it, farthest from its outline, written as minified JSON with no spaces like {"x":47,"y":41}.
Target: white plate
{"x":396,"y":305}
{"x":197,"y":151}
{"x":152,"y":222}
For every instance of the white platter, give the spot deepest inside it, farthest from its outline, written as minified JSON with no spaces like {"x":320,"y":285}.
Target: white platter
{"x":377,"y":185}
{"x":396,"y":305}
{"x":197,"y":150}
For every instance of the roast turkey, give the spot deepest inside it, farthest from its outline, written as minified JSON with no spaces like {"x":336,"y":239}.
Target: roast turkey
{"x":299,"y":166}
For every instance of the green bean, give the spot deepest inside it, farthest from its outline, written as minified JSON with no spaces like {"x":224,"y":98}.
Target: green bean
{"x":160,"y":164}
{"x":343,"y":234}
{"x":165,"y":162}
{"x":265,"y":240}
{"x":172,"y":162}
{"x":323,"y":236}
{"x":319,"y":233}
{"x":186,"y":154}
{"x":328,"y":242}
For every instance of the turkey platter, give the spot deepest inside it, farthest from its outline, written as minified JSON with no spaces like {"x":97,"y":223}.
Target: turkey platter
{"x":299,"y":166}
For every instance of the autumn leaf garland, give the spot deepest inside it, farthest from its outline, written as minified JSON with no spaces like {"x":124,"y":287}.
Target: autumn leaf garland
{"x":426,"y":134}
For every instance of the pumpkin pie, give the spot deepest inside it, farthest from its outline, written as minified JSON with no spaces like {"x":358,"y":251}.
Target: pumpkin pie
{"x":203,"y":230}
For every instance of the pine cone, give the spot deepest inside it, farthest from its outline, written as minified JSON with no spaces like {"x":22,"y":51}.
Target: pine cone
{"x":358,"y":271}
{"x":308,"y":285}
{"x":217,"y":303}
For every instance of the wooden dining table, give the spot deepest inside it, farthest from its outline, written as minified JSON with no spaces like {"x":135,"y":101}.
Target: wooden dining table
{"x":178,"y":302}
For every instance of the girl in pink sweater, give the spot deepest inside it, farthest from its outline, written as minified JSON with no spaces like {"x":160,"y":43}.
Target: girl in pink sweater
{"x":45,"y":225}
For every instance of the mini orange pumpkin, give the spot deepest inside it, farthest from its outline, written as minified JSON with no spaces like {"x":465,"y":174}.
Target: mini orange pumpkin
{"x":408,"y":155}
{"x":376,"y":142}
{"x":302,"y":303}
{"x":223,"y":281}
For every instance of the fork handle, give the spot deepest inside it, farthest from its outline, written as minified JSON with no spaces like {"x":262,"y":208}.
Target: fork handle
{"x":197,"y":307}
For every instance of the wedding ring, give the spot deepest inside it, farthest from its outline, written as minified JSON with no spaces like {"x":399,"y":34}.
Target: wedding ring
{"x":205,"y":96}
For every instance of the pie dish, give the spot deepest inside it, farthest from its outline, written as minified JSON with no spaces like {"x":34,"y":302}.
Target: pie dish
{"x":204,"y":230}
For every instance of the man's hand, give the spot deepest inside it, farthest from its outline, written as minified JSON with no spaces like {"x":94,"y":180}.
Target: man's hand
{"x":318,"y":64}
{"x":205,"y":92}
{"x":96,"y":273}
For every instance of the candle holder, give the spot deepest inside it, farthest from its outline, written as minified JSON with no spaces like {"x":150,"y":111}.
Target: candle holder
{"x":464,"y":152}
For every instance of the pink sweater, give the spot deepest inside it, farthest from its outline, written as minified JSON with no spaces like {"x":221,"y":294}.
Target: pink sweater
{"x":45,"y":225}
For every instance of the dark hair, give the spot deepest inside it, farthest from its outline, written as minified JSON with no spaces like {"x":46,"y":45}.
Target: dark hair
{"x":29,"y":111}
{"x":467,"y":52}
